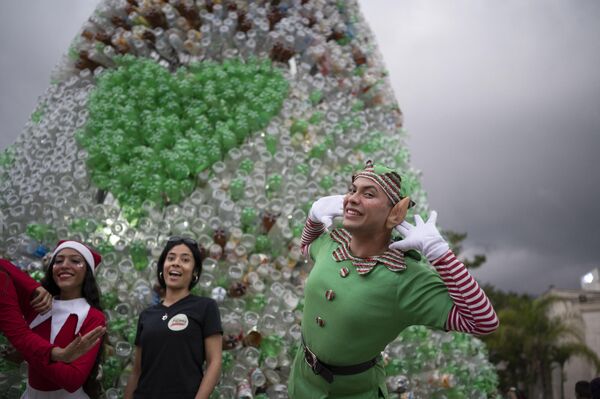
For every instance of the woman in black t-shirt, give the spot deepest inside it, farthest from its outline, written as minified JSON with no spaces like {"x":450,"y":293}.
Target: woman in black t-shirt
{"x":175,"y":337}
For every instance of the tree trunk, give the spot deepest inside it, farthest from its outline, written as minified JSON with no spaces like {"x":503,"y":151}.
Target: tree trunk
{"x":540,"y":388}
{"x":562,"y":381}
{"x":536,"y":390}
{"x":547,"y":381}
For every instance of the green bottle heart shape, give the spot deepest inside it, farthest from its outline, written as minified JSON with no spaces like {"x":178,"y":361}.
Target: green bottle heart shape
{"x":150,"y":131}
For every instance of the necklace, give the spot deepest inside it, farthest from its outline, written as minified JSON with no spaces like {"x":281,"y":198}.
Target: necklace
{"x":166,"y":315}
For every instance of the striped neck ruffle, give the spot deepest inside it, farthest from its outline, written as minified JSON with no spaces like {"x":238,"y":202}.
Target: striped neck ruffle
{"x":393,"y":259}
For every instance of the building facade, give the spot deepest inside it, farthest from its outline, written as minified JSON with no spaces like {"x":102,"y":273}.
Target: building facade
{"x":581,"y":309}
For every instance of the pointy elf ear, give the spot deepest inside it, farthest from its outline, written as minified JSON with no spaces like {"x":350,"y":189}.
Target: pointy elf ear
{"x":398,"y":213}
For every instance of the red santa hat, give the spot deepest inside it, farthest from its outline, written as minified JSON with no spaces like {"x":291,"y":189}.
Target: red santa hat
{"x":92,"y":257}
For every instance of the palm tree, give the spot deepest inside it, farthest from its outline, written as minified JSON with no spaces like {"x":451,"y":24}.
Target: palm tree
{"x":530,"y":341}
{"x":564,"y":352}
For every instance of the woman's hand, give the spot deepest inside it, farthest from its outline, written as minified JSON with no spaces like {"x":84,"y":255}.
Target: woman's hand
{"x":213,"y":348}
{"x":77,"y":347}
{"x":42,"y":300}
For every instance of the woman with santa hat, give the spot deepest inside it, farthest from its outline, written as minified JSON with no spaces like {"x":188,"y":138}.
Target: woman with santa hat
{"x":21,"y":295}
{"x":75,"y":311}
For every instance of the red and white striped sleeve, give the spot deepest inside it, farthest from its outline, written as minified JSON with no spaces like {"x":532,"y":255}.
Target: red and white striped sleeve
{"x":472,"y":311}
{"x":311,"y":231}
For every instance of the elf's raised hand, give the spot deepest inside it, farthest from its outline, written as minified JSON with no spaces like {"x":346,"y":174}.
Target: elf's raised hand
{"x":325,"y":209}
{"x":422,"y":236}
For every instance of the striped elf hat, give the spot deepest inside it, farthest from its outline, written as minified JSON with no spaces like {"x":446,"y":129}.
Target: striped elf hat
{"x":386,"y":178}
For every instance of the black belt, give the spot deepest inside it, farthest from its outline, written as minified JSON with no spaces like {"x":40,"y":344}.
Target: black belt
{"x":327,"y":371}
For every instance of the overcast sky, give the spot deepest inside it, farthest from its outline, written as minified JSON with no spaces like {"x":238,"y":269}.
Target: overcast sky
{"x":501,"y":100}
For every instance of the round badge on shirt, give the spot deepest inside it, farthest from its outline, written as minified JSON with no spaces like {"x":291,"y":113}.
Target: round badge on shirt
{"x":178,"y":322}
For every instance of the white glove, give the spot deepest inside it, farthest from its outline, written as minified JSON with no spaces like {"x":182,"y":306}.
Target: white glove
{"x":325,"y":209}
{"x":423,"y":237}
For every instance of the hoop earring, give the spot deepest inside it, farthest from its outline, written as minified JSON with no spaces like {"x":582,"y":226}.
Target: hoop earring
{"x":195,"y":278}
{"x":160,"y":275}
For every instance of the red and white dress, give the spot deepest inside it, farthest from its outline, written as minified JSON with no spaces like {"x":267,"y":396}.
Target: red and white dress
{"x":60,"y":326}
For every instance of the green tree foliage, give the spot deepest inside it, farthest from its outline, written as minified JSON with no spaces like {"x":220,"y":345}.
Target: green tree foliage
{"x":530,"y":342}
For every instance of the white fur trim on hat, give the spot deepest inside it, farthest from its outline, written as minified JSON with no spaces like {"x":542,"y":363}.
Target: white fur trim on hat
{"x":79,"y":247}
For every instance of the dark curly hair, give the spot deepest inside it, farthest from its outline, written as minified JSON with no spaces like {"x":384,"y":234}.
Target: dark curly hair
{"x":195,"y":253}
{"x":91,"y":293}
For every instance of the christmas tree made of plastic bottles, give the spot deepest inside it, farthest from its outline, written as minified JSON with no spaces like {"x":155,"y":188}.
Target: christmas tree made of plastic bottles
{"x":222,"y":121}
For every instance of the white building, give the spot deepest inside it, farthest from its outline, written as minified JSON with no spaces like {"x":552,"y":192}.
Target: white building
{"x":581,"y":308}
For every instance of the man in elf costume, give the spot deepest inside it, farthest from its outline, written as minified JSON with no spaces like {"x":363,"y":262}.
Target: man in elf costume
{"x":364,"y":290}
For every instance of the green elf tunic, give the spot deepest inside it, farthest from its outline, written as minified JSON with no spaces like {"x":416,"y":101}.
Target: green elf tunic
{"x":354,"y":307}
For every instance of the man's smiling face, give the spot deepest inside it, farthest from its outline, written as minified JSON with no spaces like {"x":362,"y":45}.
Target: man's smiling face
{"x":366,"y":207}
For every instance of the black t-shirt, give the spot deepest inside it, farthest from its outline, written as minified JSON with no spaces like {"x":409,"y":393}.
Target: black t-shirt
{"x":172,"y":342}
